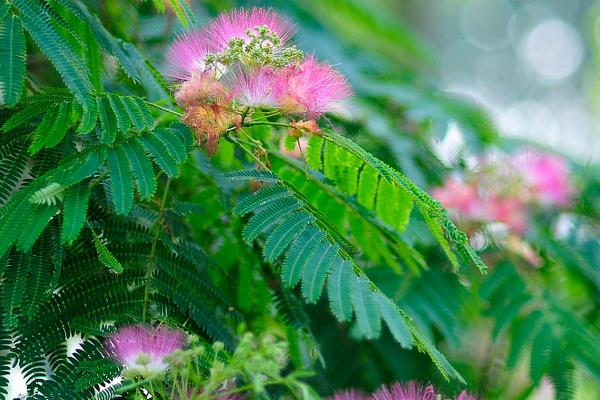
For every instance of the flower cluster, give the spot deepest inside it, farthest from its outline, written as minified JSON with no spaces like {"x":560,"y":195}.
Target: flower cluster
{"x":142,"y":349}
{"x":506,"y":188}
{"x":409,"y":391}
{"x":242,"y":61}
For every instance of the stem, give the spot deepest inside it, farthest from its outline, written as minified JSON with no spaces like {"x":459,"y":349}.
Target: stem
{"x":157,"y":230}
{"x":270,"y":123}
{"x":151,"y":104}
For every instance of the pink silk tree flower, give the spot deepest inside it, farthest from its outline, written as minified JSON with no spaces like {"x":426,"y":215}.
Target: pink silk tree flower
{"x":253,"y":87}
{"x":547,"y":175}
{"x":410,"y":391}
{"x":186,"y":56}
{"x":311,"y":88}
{"x":349,"y":394}
{"x":511,"y":211}
{"x":461,"y":198}
{"x":143,"y":349}
{"x":202,"y":88}
{"x":235,"y":25}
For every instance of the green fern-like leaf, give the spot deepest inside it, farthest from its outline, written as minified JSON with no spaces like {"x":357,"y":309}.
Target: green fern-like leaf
{"x":108,"y":120}
{"x":317,"y":269}
{"x":12,"y":168}
{"x":35,"y":226}
{"x":12,"y":60}
{"x":40,"y":273}
{"x":280,"y":238}
{"x":314,"y":253}
{"x":161,"y":155}
{"x":121,"y":180}
{"x":269,"y":216}
{"x":13,"y":287}
{"x":142,"y":169}
{"x":49,"y":195}
{"x":105,"y":256}
{"x":299,"y":253}
{"x":367,"y":313}
{"x":74,"y":212}
{"x":340,"y":289}
{"x":25,"y":115}
{"x":171,"y":141}
{"x":38,"y":22}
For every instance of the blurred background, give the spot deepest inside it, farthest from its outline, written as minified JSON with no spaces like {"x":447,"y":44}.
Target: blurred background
{"x":532,"y":64}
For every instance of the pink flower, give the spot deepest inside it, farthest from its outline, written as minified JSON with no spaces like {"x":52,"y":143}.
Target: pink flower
{"x":510,"y":211}
{"x":311,"y":88}
{"x":143,"y":349}
{"x":186,"y":56}
{"x":547,"y":175}
{"x":462,"y":198}
{"x":411,"y":391}
{"x":349,"y":394}
{"x":202,"y":88}
{"x":466,"y":396}
{"x":253,"y":87}
{"x":235,"y":24}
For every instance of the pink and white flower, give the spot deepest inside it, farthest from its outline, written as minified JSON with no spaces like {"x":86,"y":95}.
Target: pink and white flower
{"x":143,"y":349}
{"x":410,"y":391}
{"x":311,"y":88}
{"x":186,"y":56}
{"x":253,"y":87}
{"x":235,"y":24}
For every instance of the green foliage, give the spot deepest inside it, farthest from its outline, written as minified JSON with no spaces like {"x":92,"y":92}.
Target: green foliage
{"x":313,"y":250}
{"x":109,"y":216}
{"x":12,"y":59}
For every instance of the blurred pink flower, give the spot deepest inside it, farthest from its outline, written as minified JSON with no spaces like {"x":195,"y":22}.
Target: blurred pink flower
{"x":311,"y":88}
{"x":508,"y":210}
{"x":464,"y":395}
{"x":547,"y":176}
{"x":186,"y":55}
{"x":143,"y":348}
{"x":461,"y":198}
{"x":253,"y":87}
{"x":410,"y":391}
{"x":236,"y":23}
{"x":349,"y":394}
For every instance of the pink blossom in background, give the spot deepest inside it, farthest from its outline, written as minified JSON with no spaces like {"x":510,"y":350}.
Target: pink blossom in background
{"x":464,"y":395}
{"x":235,"y":24}
{"x":253,"y":87}
{"x":349,"y":394}
{"x":410,"y":391}
{"x":312,"y":88}
{"x":510,"y":211}
{"x":462,"y":198}
{"x":186,"y":56}
{"x":144,"y":348}
{"x":547,"y":175}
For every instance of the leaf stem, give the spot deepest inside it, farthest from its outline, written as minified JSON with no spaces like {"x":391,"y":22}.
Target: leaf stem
{"x":152,"y":255}
{"x":151,"y":104}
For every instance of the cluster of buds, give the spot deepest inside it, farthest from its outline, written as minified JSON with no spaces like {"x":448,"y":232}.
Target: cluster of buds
{"x":409,"y":391}
{"x":506,"y":189}
{"x":241,"y":62}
